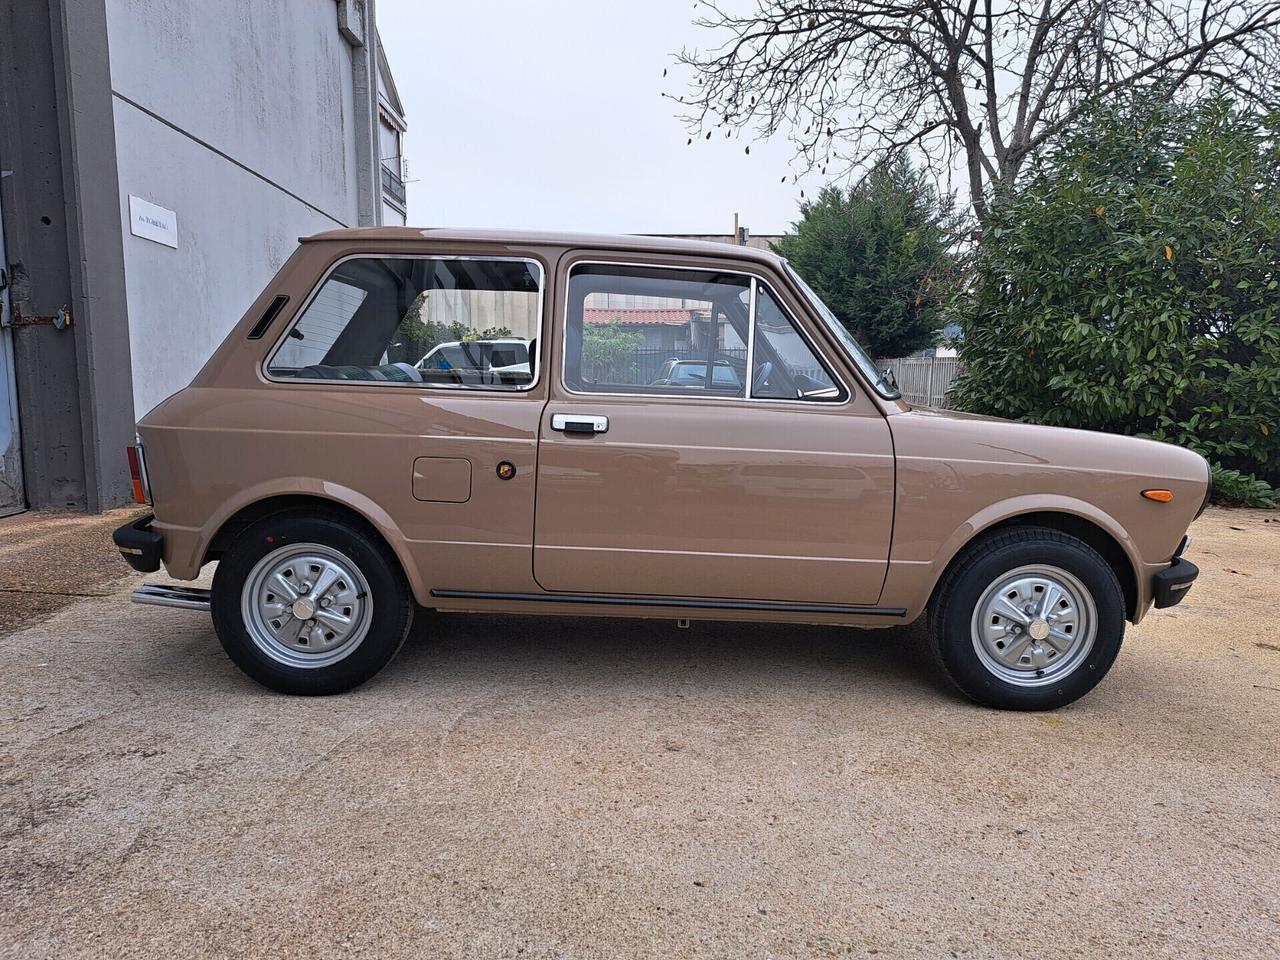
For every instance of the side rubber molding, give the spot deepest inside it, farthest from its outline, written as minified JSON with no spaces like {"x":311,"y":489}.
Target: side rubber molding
{"x":139,"y":544}
{"x":630,"y":601}
{"x":1171,"y":585}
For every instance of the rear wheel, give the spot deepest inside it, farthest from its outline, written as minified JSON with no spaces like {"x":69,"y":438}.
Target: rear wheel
{"x":1028,"y":619}
{"x":310,"y":604}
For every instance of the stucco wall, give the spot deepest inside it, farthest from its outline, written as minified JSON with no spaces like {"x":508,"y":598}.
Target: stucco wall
{"x":202,"y":92}
{"x":270,"y":84}
{"x":234,"y":232}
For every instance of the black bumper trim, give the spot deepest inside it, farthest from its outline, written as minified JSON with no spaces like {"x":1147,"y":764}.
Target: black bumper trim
{"x":1171,"y":585}
{"x":139,"y":544}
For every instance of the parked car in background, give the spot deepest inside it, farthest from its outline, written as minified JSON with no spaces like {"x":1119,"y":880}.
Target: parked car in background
{"x":675,"y":372}
{"x":339,"y":494}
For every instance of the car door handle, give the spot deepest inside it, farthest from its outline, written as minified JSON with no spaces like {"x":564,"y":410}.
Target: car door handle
{"x":583,"y":423}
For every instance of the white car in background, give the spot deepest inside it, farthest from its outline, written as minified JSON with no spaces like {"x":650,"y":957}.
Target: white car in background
{"x":508,"y":358}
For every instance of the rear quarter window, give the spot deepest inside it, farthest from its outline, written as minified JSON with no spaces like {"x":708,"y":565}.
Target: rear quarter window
{"x":463,"y":323}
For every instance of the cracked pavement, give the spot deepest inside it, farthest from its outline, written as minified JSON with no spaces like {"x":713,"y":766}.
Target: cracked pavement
{"x":520,"y":787}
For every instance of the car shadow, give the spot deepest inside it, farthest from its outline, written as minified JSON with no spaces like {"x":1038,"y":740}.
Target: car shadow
{"x":602,"y":652}
{"x":603,"y":655}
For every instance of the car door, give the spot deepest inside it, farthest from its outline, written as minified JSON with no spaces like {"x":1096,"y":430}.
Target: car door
{"x":776,"y":486}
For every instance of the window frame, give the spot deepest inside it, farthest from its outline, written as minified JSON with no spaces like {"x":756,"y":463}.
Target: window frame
{"x":755,"y":282}
{"x":264,"y":368}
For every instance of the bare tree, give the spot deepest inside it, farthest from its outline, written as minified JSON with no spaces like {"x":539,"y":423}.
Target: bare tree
{"x":975,"y":84}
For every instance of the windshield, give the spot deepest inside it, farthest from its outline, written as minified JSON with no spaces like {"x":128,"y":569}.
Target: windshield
{"x":860,"y":356}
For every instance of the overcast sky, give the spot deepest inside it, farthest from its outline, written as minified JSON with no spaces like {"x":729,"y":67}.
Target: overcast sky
{"x":549,"y":115}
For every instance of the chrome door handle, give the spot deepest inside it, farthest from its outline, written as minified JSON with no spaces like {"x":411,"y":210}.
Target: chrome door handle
{"x":583,"y":423}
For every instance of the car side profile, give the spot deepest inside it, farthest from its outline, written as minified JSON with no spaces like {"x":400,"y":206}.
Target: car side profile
{"x":347,"y":458}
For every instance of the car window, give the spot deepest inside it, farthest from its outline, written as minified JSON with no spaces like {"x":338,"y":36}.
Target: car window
{"x":653,"y":330}
{"x":463,"y":323}
{"x":784,"y":366}
{"x":854,"y":350}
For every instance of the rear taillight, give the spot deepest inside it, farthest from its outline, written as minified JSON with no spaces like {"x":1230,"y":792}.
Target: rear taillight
{"x":138,"y":473}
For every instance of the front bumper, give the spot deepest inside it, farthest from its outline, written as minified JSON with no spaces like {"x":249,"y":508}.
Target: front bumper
{"x":1171,"y":585}
{"x":139,"y":544}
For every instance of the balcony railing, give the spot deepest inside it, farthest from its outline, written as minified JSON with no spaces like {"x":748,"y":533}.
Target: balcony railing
{"x":392,"y":185}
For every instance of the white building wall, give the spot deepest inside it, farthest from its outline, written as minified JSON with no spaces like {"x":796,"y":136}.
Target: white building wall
{"x":234,"y":232}
{"x":239,"y":117}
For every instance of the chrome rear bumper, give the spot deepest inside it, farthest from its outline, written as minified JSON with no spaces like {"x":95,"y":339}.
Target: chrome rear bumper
{"x":166,"y":595}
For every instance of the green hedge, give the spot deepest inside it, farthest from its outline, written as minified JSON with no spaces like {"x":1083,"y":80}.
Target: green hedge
{"x":1132,"y":284}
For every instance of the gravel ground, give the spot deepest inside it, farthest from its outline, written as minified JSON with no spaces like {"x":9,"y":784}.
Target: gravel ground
{"x":49,"y":560}
{"x":515,"y":787}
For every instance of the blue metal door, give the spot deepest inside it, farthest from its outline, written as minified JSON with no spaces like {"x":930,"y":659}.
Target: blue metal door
{"x":12,"y":499}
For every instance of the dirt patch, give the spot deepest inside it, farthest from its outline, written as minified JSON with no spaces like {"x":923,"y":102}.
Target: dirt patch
{"x":50,"y":560}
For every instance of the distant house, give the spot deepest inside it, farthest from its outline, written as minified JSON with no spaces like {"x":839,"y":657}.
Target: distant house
{"x":949,"y":338}
{"x":669,"y":330}
{"x":675,"y":330}
{"x":760,"y":241}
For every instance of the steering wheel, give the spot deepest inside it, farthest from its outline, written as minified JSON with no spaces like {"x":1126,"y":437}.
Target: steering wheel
{"x":762,"y":375}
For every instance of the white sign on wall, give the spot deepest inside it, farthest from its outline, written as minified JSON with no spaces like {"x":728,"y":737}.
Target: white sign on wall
{"x":152,"y":222}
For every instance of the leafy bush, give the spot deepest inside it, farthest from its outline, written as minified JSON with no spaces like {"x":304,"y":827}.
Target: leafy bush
{"x":417,"y":335}
{"x":1131,"y":285}
{"x":609,"y":352}
{"x":878,"y":256}
{"x":1232,"y":486}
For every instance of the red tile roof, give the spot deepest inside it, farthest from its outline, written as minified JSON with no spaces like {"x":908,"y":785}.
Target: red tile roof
{"x":602,"y":315}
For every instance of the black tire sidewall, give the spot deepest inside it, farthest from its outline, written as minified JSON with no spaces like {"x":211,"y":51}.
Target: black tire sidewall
{"x":392,"y":606}
{"x":953,"y":631}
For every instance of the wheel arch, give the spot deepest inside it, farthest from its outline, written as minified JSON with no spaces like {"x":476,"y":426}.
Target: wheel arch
{"x":255,"y":504}
{"x":1074,"y":518}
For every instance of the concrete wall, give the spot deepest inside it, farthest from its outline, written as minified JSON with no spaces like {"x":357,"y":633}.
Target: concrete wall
{"x":62,"y":238}
{"x":234,"y":232}
{"x":270,"y":84}
{"x":239,"y":116}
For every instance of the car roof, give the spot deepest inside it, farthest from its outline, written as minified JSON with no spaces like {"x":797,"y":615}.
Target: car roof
{"x":627,"y":241}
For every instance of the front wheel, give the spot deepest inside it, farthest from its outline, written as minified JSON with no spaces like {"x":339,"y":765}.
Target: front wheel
{"x":1027,"y":619}
{"x":310,"y":604}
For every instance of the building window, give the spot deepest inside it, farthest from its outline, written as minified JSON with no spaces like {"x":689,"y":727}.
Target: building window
{"x":392,"y":167}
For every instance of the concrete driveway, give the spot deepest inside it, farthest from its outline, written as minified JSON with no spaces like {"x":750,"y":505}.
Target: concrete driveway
{"x":516,"y":787}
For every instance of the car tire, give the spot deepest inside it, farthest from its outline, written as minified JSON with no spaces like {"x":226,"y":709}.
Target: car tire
{"x":310,"y":604}
{"x":1027,"y":619}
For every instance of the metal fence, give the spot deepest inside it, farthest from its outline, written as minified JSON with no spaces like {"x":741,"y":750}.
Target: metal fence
{"x":392,"y":185}
{"x":924,"y":381}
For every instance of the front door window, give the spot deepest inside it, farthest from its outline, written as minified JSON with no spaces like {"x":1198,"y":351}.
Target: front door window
{"x":656,"y":331}
{"x":665,"y":331}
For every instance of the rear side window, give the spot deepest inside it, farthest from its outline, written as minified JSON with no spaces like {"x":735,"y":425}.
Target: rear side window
{"x":442,"y":322}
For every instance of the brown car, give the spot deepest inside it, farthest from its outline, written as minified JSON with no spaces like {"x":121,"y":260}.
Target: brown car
{"x":493,"y":422}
